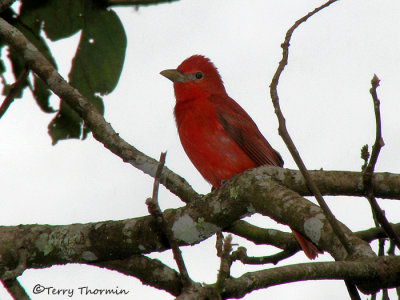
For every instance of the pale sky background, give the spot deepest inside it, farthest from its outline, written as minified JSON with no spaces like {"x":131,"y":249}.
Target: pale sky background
{"x":324,"y":95}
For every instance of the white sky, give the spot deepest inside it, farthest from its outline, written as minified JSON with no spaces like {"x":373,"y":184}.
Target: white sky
{"x":324,"y":96}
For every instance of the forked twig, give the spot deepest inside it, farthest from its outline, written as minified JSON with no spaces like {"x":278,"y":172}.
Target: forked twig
{"x":368,"y":171}
{"x":155,"y":211}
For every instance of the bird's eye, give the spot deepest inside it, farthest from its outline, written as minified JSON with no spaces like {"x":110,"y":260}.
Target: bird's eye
{"x":198,"y":75}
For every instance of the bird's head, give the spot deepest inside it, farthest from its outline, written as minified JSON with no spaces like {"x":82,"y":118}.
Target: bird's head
{"x":195,"y":77}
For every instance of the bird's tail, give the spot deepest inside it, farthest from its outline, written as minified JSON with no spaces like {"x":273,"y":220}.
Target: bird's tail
{"x":309,"y":248}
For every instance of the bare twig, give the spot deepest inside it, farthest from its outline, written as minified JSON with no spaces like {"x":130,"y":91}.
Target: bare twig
{"x":352,"y":290}
{"x":369,"y":169}
{"x":219,"y":243}
{"x":385,"y":294}
{"x":241,"y":254}
{"x":263,"y":236}
{"x":287,"y":139}
{"x":15,"y":89}
{"x":285,"y":240}
{"x":364,"y":156}
{"x":16,"y":290}
{"x":379,"y":143}
{"x":292,"y":148}
{"x":225,"y":265}
{"x":155,"y":211}
{"x":135,"y":2}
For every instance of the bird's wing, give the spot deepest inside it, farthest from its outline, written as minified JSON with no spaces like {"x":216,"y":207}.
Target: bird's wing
{"x":242,"y":129}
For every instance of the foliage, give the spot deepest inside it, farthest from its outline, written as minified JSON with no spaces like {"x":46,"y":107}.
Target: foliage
{"x":96,"y":66}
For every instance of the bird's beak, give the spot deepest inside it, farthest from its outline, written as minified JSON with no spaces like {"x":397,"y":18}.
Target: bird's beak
{"x":174,"y":75}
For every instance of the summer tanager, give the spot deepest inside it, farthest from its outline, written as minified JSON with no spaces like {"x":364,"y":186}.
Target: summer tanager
{"x":218,"y":136}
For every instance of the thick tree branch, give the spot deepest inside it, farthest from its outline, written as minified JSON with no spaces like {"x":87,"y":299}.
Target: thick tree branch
{"x":104,"y":241}
{"x":102,"y":131}
{"x":334,"y":183}
{"x":150,"y":271}
{"x":239,"y":197}
{"x":374,"y":271}
{"x":97,"y":243}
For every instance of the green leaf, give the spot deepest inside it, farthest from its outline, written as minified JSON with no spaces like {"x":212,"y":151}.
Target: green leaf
{"x":42,"y":95}
{"x":98,"y":62}
{"x":32,"y":33}
{"x":64,"y":20}
{"x":61,"y":18}
{"x":65,"y":125}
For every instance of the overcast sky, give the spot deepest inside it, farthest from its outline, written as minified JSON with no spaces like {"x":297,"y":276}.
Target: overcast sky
{"x":324,"y":94}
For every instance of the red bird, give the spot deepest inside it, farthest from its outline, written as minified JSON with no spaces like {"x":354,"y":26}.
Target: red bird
{"x":216,"y":133}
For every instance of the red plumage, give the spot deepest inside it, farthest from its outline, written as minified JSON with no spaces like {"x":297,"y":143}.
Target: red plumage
{"x":218,"y":136}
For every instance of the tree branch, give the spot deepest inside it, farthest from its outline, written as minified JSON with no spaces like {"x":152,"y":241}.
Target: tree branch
{"x":150,"y":271}
{"x":241,"y":254}
{"x":95,"y":243}
{"x":194,"y":223}
{"x":333,"y":183}
{"x":285,"y":240}
{"x":225,"y":263}
{"x":262,"y":236}
{"x":374,"y":273}
{"x":102,"y":131}
{"x":87,"y":243}
{"x":16,"y":290}
{"x":376,"y":233}
{"x":135,"y":2}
